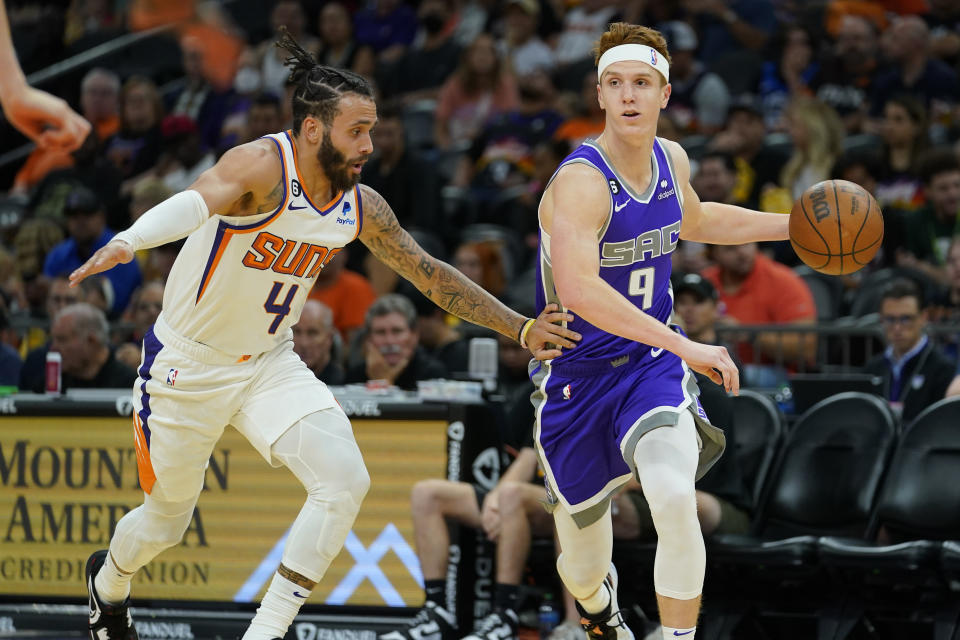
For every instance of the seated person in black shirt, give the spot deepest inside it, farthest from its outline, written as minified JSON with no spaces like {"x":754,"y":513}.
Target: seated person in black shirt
{"x":914,"y":370}
{"x":391,"y":349}
{"x":81,"y":335}
{"x":313,"y":339}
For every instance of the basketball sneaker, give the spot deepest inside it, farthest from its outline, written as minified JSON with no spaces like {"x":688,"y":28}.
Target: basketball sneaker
{"x":432,"y":622}
{"x":499,"y":625}
{"x":609,"y":623}
{"x":107,"y":621}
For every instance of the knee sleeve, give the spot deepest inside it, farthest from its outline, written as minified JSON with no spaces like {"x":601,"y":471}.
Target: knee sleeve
{"x":321,"y":452}
{"x":585,"y":560}
{"x":666,"y":460}
{"x":149,"y":529}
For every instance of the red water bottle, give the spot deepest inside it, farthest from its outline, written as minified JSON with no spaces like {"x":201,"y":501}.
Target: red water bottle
{"x":53,"y":377}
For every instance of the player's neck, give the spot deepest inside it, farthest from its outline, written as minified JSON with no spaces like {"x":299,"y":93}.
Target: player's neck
{"x":315,"y":180}
{"x":623,"y":154}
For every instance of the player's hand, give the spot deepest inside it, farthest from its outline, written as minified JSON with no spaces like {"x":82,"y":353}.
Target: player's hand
{"x":113,"y":253}
{"x":45,"y":119}
{"x":546,"y":337}
{"x":713,"y":362}
{"x":490,"y":516}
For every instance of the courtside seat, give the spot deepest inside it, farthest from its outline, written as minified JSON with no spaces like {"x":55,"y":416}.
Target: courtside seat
{"x":919,"y":506}
{"x":759,"y":430}
{"x":950,"y":561}
{"x":824,"y":482}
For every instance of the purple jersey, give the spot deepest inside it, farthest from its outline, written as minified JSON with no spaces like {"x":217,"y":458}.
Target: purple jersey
{"x":635,"y":247}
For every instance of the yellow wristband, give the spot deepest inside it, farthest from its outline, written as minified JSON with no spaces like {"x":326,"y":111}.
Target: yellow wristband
{"x":524,"y":331}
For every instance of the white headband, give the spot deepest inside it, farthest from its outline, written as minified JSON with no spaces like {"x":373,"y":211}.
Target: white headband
{"x":637,"y":52}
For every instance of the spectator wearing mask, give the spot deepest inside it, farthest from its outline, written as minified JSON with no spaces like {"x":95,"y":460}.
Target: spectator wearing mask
{"x":915,"y":373}
{"x":391,"y":350}
{"x":313,"y":340}
{"x":81,"y":335}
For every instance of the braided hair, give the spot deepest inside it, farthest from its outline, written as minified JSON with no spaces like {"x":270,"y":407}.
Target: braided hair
{"x":318,"y":87}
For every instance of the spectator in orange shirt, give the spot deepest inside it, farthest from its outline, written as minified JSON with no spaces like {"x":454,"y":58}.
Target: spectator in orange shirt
{"x":756,"y":290}
{"x":347,"y":293}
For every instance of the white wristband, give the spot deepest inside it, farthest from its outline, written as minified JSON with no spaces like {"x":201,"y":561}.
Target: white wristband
{"x":176,"y":217}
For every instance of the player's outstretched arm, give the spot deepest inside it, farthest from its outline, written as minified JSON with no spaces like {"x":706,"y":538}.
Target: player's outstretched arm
{"x":718,"y":223}
{"x":45,"y":119}
{"x":578,"y":204}
{"x":448,"y":288}
{"x":247,"y":180}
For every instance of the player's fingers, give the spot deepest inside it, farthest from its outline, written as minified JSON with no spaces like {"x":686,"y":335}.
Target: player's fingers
{"x":547,"y":354}
{"x":714,"y":375}
{"x":563,"y":331}
{"x":558,"y":317}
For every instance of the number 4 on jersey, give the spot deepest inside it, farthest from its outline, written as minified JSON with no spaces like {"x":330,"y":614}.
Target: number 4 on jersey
{"x":282,"y":309}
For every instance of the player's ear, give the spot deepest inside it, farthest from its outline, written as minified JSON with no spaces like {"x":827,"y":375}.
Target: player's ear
{"x":665,"y":97}
{"x":600,"y":97}
{"x":312,"y":129}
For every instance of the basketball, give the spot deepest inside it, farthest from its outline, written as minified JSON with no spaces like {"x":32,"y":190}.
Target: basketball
{"x":836,"y":227}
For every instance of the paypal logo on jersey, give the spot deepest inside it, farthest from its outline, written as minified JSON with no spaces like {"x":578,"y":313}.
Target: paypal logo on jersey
{"x":344,"y":220}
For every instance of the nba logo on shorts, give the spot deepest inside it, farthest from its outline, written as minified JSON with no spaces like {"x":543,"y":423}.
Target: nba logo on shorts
{"x":566,"y":392}
{"x":653,"y":57}
{"x":172,"y":376}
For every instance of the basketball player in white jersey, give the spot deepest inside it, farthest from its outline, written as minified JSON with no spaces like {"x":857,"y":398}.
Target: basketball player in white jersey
{"x":260,"y":225}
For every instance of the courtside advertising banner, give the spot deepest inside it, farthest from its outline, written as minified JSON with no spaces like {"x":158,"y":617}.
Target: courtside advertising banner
{"x":66,"y":481}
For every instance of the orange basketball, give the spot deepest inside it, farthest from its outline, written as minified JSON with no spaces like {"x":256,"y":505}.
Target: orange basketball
{"x":836,"y":227}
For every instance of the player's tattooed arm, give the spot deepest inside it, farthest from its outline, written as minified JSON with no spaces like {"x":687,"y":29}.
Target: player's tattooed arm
{"x":444,"y":285}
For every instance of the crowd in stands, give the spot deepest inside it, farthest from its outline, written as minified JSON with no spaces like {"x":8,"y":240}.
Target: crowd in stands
{"x":478,"y":103}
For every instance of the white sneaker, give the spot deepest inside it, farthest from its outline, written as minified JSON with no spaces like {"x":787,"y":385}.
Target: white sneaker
{"x":609,"y":623}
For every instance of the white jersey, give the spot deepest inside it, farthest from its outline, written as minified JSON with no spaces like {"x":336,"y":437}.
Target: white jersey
{"x":239,"y":284}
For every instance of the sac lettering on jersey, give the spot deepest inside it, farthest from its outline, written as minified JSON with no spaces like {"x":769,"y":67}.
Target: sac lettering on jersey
{"x":648,"y":245}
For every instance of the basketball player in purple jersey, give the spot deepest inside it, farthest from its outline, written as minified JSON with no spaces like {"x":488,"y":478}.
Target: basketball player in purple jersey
{"x":609,"y":220}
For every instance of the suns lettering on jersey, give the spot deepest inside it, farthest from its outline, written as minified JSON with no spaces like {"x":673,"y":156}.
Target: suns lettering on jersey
{"x":269,"y":251}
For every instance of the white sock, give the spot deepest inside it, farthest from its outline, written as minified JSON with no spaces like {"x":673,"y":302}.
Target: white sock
{"x":669,"y":633}
{"x":112,"y":583}
{"x":598,"y":601}
{"x":279,"y":607}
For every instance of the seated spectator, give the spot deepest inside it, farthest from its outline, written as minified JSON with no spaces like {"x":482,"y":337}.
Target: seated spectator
{"x":904,"y":132}
{"x":480,"y":89}
{"x":390,"y":349}
{"x":930,"y":229}
{"x":313,"y":338}
{"x":346,"y":293}
{"x":788,"y":76}
{"x":758,"y":164}
{"x":943,"y":20}
{"x":337,"y":47}
{"x":423,"y":68}
{"x":582,"y":27}
{"x":915,"y":373}
{"x":589,"y":119}
{"x":728,"y":27}
{"x":699,"y":98}
{"x":406,"y":180}
{"x":197,"y":98}
{"x":81,"y":335}
{"x":182,"y":159}
{"x":845,"y":80}
{"x":817,"y":136}
{"x":387,"y":26}
{"x":438,"y":336}
{"x":99,"y":104}
{"x":484,"y":263}
{"x":87,"y":229}
{"x":906,"y":46}
{"x":714,"y":181}
{"x":696,"y":303}
{"x":289,"y":14}
{"x":756,"y":290}
{"x":146,"y":306}
{"x":136,"y":147}
{"x":521,"y":47}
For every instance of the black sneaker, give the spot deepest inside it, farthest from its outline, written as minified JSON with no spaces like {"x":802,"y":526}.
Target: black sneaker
{"x":432,"y":622}
{"x":107,"y":621}
{"x":499,"y":625}
{"x":609,"y":623}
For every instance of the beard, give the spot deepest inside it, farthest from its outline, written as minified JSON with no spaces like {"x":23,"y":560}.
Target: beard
{"x":336,"y":166}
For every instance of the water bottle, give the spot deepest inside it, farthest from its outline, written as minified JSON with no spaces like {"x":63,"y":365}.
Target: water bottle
{"x":549,"y":616}
{"x":53,"y":377}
